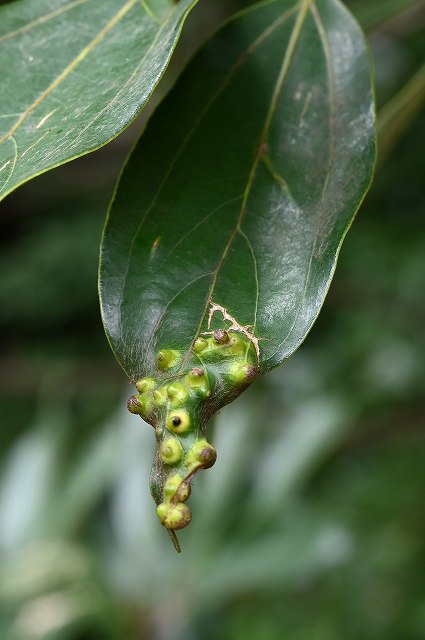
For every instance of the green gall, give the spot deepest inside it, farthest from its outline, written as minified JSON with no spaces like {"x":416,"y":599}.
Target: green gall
{"x":237,"y":346}
{"x":133,"y":405}
{"x":145,"y":384}
{"x":140,"y":404}
{"x":178,"y":517}
{"x":183,"y":492}
{"x":196,"y":376}
{"x":162,"y":510}
{"x":170,"y":451}
{"x":171,"y":485}
{"x":160,"y":396}
{"x":199,"y":345}
{"x":202,"y":454}
{"x":168,"y":358}
{"x":241,"y":372}
{"x":178,"y":421}
{"x":146,"y":403}
{"x":177,"y":393}
{"x":197,"y":381}
{"x":220,"y":336}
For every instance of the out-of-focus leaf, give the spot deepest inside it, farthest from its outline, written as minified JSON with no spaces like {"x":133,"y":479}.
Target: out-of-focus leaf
{"x":373,"y":14}
{"x":75,"y":74}
{"x":25,"y":487}
{"x":24,"y":576}
{"x":397,"y":115}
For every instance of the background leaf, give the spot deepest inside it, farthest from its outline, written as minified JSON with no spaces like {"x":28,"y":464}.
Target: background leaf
{"x":396,"y":116}
{"x":75,"y":74}
{"x":243,"y":186}
{"x":374,"y":14}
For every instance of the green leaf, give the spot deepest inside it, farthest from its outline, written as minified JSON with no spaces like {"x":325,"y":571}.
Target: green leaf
{"x":243,"y":186}
{"x":230,"y":214}
{"x":75,"y":74}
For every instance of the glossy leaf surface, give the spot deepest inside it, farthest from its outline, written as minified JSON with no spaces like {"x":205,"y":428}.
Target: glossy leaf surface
{"x":75,"y":74}
{"x":236,"y":200}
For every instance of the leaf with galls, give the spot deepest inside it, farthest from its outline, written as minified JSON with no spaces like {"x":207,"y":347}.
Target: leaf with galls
{"x":225,"y":229}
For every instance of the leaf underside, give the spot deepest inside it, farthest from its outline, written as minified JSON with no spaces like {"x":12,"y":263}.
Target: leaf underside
{"x":75,"y":74}
{"x":237,"y":198}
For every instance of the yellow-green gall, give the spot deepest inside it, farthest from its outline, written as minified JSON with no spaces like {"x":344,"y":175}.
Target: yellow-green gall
{"x":170,"y":451}
{"x":133,"y":405}
{"x":177,"y":393}
{"x":183,"y":492}
{"x":146,"y":403}
{"x":236,"y":345}
{"x":172,"y":513}
{"x":168,"y":358}
{"x":199,"y":345}
{"x":162,"y":510}
{"x":241,"y":372}
{"x":177,"y":517}
{"x":140,"y":404}
{"x":171,"y":485}
{"x":145,"y":384}
{"x":202,"y":454}
{"x":178,"y":421}
{"x":198,"y":382}
{"x":160,"y":396}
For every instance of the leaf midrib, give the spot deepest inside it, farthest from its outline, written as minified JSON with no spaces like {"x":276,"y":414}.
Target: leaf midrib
{"x":295,"y":34}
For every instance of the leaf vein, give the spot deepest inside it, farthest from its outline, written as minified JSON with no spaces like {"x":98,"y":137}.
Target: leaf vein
{"x":163,"y":312}
{"x":149,"y":11}
{"x":42,"y":19}
{"x":87,"y":49}
{"x":124,"y":86}
{"x":15,"y":158}
{"x":257,"y":282}
{"x":197,"y":225}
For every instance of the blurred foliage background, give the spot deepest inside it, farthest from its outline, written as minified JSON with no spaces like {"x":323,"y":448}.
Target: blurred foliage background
{"x":310,"y":526}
